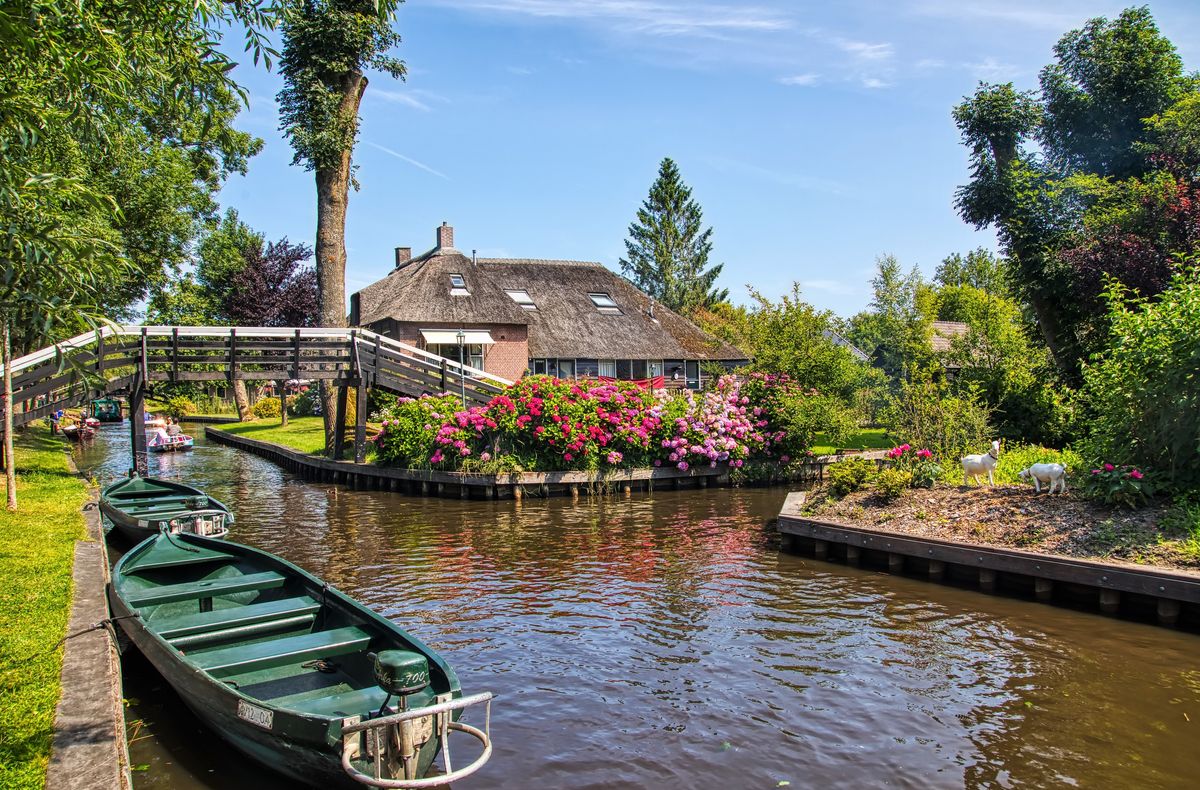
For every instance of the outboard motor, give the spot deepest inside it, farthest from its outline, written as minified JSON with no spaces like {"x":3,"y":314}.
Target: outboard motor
{"x":401,"y":673}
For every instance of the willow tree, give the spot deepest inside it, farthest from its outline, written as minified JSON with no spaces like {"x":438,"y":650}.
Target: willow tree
{"x":328,"y":45}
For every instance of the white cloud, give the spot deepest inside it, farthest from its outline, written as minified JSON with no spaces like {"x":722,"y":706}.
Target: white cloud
{"x":520,"y":71}
{"x":421,"y":100}
{"x":649,"y":17}
{"x":410,"y":160}
{"x":929,"y":64}
{"x":800,"y":79}
{"x":1024,"y":14}
{"x":875,"y":83}
{"x":990,"y":69}
{"x":863,"y":50}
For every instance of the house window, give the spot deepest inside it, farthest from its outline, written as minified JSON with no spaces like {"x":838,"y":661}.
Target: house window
{"x":566,"y":368}
{"x":458,"y":286}
{"x":674,"y":368}
{"x":552,"y":367}
{"x":522,"y":298}
{"x":587,"y":368}
{"x":624,"y":369}
{"x":605,"y":304}
{"x":639,"y":369}
{"x":472,"y":353}
{"x":537,"y":367}
{"x":608,"y":369}
{"x":655,"y":368}
{"x":693,"y":374}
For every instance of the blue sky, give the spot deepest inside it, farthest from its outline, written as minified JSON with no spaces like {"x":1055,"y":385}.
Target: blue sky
{"x":815,"y":135}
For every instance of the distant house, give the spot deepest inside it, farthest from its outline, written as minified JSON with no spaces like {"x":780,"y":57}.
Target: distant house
{"x":854,"y":350}
{"x":942,"y":339}
{"x":570,"y":319}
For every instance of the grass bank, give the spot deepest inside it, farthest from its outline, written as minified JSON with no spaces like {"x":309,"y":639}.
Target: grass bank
{"x":864,"y":439}
{"x":36,"y":552}
{"x":305,"y":434}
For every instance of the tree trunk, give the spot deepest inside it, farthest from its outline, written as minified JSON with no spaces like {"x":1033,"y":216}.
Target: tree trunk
{"x":10,"y":463}
{"x":333,"y":190}
{"x":283,"y":403}
{"x":242,"y":399}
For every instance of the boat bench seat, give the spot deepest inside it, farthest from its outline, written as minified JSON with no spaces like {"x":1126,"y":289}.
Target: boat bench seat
{"x":279,"y":652}
{"x":205,"y":588}
{"x":233,"y":617}
{"x":347,"y":703}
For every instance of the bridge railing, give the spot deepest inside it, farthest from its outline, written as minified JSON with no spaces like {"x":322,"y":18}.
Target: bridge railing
{"x":111,"y":358}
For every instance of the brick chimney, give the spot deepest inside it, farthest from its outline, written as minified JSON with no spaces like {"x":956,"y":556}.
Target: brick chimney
{"x":445,"y":236}
{"x":403,"y":256}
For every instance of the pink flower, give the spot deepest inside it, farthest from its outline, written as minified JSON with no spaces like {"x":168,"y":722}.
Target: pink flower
{"x":1095,"y":471}
{"x":614,"y":457}
{"x":1109,"y":467}
{"x":568,"y":457}
{"x":485,"y":456}
{"x":924,"y":454}
{"x":682,"y":466}
{"x":1136,"y":475}
{"x":785,"y":458}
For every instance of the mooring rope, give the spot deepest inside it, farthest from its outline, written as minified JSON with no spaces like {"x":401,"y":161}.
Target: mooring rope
{"x":106,"y":624}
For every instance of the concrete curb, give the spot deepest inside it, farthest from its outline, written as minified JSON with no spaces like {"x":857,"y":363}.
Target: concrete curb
{"x":89,"y":750}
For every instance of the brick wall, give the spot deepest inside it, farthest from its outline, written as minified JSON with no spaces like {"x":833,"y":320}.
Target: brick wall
{"x":506,"y":358}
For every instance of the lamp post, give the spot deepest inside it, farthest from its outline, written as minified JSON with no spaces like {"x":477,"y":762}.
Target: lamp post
{"x":462,"y":376}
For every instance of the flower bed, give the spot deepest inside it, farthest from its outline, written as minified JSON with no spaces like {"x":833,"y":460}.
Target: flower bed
{"x":545,"y":424}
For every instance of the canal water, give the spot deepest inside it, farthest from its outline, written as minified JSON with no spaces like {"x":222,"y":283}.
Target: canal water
{"x":664,"y":641}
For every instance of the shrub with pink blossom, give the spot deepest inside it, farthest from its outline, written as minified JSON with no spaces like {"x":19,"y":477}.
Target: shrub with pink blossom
{"x":547,"y":423}
{"x":1124,"y":485}
{"x":919,"y":465}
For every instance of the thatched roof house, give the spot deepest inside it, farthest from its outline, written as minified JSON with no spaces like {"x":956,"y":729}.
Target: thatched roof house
{"x":565,"y":318}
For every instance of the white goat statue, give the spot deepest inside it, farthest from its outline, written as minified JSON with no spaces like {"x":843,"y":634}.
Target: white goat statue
{"x":1054,"y":474}
{"x":975,"y":465}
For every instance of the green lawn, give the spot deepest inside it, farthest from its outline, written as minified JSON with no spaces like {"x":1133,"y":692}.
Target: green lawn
{"x":864,"y":439}
{"x":306,"y":434}
{"x":36,"y":552}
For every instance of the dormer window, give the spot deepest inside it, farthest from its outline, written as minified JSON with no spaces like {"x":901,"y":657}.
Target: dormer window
{"x":522,"y":298}
{"x":605,"y":304}
{"x":458,"y":285}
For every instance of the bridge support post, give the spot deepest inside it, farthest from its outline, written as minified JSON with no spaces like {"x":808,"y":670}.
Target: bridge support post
{"x":360,"y":421}
{"x":137,"y":426}
{"x":339,"y":423}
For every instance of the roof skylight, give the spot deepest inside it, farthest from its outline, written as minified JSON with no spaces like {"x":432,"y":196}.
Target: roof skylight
{"x":458,"y":285}
{"x":522,"y":298}
{"x":604,"y":303}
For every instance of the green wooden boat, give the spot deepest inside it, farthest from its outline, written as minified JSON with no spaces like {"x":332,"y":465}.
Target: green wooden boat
{"x":105,"y":409}
{"x":141,"y":507}
{"x":289,"y":670}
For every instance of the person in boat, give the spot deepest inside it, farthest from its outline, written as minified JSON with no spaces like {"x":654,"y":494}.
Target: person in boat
{"x":173,"y":428}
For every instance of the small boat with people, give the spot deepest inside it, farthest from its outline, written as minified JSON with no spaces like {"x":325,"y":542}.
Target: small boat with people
{"x":164,"y":443}
{"x":105,"y":409}
{"x":291,"y":671}
{"x":140,"y":507}
{"x":77,"y":431}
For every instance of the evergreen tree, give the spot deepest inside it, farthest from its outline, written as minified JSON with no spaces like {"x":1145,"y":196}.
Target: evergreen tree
{"x":667,"y":252}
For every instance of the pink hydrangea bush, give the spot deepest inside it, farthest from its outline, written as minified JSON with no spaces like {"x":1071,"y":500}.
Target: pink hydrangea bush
{"x":546,"y":423}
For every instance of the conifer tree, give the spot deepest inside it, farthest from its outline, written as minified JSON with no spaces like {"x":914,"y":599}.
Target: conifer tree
{"x":667,"y":251}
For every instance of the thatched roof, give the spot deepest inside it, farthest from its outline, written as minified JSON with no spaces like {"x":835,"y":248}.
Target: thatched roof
{"x":944,"y":333}
{"x":565,"y":324}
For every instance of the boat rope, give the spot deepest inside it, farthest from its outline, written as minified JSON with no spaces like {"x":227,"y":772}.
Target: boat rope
{"x":105,"y":624}
{"x":170,"y":539}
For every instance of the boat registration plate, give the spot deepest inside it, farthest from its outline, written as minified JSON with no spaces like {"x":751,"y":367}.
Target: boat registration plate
{"x":260,"y":717}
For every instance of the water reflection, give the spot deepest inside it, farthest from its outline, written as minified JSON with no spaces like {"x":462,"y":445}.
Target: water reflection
{"x":664,"y":641}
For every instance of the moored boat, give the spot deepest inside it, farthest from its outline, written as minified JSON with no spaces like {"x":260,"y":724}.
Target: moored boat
{"x":78,"y":432}
{"x":289,"y":670}
{"x":140,"y":507}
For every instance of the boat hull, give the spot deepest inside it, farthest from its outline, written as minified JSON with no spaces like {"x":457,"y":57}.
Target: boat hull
{"x":304,"y":747}
{"x":127,"y":507}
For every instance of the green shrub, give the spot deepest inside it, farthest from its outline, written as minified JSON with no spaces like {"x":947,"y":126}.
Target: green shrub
{"x":179,"y":407}
{"x":305,"y":404}
{"x":849,"y":475}
{"x":891,"y":482}
{"x":1015,"y":457}
{"x":950,"y":426}
{"x":1142,"y":393}
{"x":266,"y":408}
{"x":1126,"y":486}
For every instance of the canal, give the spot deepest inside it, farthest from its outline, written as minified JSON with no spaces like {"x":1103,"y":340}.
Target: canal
{"x":663,"y":641}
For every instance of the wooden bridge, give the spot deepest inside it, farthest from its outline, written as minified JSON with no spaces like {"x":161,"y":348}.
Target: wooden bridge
{"x":130,"y":360}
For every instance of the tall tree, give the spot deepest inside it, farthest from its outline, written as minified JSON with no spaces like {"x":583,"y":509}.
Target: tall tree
{"x":1045,"y":170}
{"x":328,"y":45}
{"x":667,"y":251}
{"x":896,"y":330}
{"x":146,"y":112}
{"x":979,"y":268}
